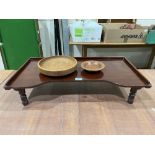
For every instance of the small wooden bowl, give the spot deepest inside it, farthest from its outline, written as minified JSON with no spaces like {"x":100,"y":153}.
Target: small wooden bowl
{"x":92,"y":66}
{"x":57,"y":65}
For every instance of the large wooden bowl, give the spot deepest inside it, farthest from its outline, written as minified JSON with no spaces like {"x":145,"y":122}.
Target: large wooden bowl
{"x":92,"y":66}
{"x":57,"y":65}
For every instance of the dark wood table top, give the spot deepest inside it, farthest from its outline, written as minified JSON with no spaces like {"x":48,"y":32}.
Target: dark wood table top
{"x":118,"y":71}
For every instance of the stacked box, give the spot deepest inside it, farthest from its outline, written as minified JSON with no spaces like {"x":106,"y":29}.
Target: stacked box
{"x":124,"y":33}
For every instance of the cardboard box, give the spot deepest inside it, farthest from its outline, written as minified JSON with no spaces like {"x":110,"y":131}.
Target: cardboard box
{"x":123,"y":33}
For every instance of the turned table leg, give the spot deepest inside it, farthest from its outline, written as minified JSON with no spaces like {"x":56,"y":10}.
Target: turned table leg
{"x":132,"y":95}
{"x":23,"y":97}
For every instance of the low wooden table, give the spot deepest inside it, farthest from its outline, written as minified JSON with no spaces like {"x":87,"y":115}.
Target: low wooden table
{"x":118,"y":71}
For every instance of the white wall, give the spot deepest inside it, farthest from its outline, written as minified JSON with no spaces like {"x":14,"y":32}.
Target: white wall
{"x":146,"y":22}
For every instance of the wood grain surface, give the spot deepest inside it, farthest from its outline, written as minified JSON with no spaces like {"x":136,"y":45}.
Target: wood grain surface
{"x":4,"y":74}
{"x":57,"y":65}
{"x":73,"y":108}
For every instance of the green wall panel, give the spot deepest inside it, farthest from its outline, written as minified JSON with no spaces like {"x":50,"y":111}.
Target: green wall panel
{"x":19,"y":38}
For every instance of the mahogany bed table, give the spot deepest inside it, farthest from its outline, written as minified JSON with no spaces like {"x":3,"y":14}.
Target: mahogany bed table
{"x":118,"y":71}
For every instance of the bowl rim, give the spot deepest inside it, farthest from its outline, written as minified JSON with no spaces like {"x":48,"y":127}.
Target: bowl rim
{"x":44,"y":69}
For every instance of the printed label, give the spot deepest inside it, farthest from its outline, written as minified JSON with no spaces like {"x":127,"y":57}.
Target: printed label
{"x":78,"y":32}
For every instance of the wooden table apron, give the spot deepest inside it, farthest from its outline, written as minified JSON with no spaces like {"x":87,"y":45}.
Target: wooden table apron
{"x":28,"y":76}
{"x":85,"y":46}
